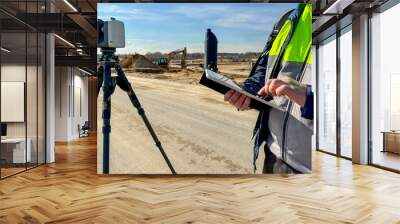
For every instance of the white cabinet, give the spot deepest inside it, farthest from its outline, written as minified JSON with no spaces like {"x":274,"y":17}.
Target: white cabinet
{"x":19,"y":155}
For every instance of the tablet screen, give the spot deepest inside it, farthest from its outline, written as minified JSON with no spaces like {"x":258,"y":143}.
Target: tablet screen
{"x":223,"y":80}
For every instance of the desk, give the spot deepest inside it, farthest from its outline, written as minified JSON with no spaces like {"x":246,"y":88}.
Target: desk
{"x":18,"y":149}
{"x":391,"y":141}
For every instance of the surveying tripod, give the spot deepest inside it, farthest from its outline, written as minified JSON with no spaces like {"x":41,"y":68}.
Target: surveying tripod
{"x":108,"y":61}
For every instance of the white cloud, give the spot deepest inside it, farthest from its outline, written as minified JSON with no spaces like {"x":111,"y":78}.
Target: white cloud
{"x":116,"y":9}
{"x":260,"y":19}
{"x":227,"y":16}
{"x":221,"y":15}
{"x":129,"y":13}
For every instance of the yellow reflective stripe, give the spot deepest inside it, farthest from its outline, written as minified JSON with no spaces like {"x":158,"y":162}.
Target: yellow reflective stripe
{"x":280,"y":38}
{"x":297,"y":49}
{"x":309,"y":59}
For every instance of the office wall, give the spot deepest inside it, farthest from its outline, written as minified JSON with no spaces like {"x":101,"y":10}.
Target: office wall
{"x":24,"y":61}
{"x":34,"y":101}
{"x":14,"y":73}
{"x":81,"y":113}
{"x":71,"y":102}
{"x":61,"y":103}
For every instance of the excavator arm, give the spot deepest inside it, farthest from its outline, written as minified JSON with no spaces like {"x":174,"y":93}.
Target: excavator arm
{"x":164,"y":61}
{"x":182,"y":51}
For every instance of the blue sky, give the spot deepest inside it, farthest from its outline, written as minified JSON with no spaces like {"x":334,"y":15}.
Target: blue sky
{"x":150,"y":27}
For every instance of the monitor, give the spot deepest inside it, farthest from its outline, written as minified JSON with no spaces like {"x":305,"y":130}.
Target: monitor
{"x":3,"y":129}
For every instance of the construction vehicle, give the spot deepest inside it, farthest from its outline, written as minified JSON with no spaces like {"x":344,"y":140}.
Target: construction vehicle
{"x":164,"y":61}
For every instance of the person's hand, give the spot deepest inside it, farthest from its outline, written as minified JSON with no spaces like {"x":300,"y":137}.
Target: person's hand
{"x":285,"y":86}
{"x":240,"y":101}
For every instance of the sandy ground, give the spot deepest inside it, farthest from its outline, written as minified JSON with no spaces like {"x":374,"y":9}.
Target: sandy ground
{"x":238,"y":71}
{"x":199,"y":131}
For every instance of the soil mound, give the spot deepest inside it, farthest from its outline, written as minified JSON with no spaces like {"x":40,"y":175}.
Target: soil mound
{"x":138,"y":61}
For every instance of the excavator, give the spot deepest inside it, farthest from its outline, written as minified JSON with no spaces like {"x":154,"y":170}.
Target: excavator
{"x":164,"y":61}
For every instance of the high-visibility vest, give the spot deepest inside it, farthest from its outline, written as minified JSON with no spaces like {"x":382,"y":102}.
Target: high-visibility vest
{"x":264,"y":61}
{"x":288,"y":134}
{"x":296,"y":56}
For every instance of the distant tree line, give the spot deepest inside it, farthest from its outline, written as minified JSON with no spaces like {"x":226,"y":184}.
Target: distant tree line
{"x":194,"y":56}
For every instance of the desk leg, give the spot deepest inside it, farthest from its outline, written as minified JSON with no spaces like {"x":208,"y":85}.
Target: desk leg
{"x":384,"y":142}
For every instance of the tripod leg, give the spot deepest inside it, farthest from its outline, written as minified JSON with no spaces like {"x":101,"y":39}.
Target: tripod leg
{"x":124,"y":84}
{"x":100,"y":75}
{"x":107,"y":91}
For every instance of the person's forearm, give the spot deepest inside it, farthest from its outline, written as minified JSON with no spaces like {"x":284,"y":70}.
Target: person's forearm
{"x":297,"y":95}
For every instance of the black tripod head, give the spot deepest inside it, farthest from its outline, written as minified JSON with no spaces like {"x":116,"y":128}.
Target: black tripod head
{"x":107,"y":57}
{"x":110,"y":36}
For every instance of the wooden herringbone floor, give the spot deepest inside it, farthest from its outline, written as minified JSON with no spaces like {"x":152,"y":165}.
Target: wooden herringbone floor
{"x":70,"y":191}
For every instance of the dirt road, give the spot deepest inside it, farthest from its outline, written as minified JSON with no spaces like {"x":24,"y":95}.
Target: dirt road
{"x":199,"y":131}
